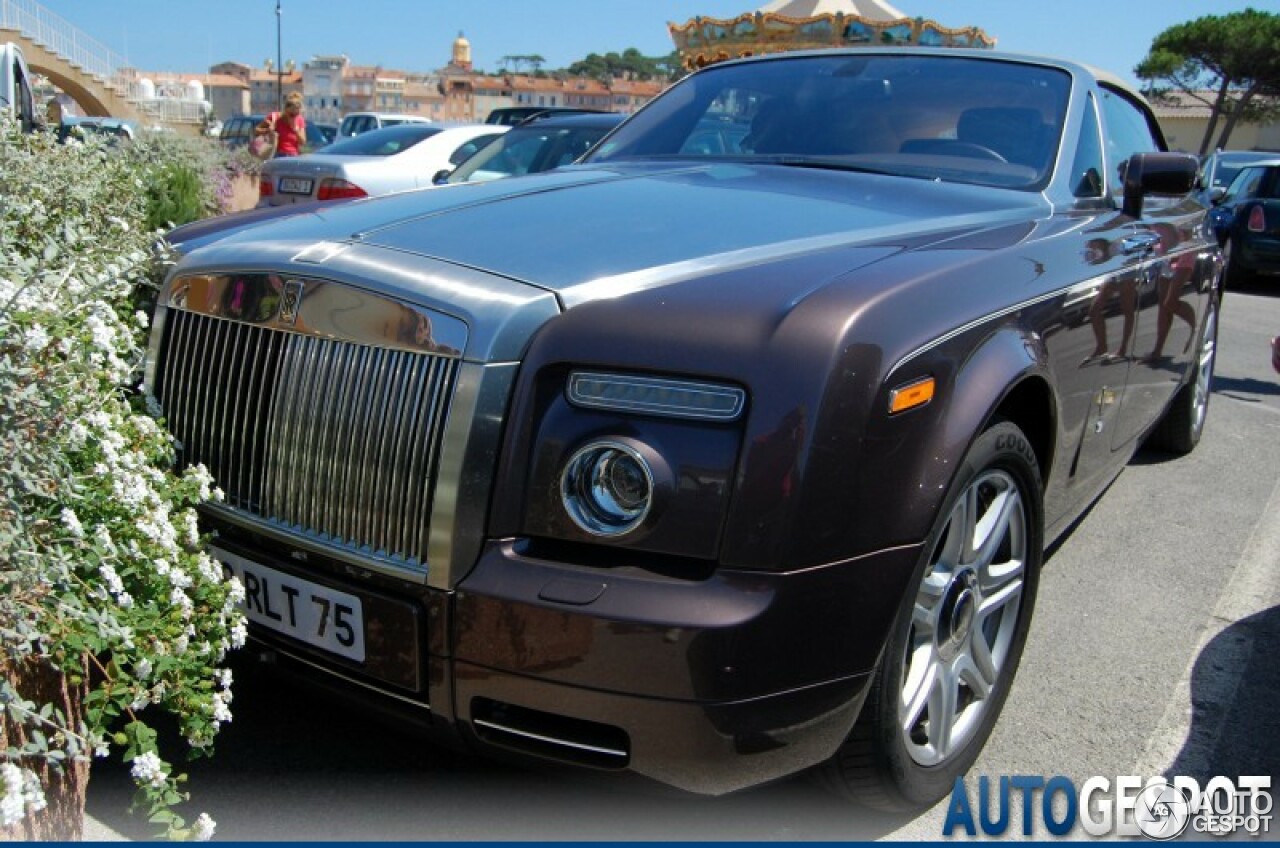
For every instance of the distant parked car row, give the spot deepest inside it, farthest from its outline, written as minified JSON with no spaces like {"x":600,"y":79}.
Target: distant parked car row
{"x":1244,"y":189}
{"x":376,"y":162}
{"x":415,"y":155}
{"x":113,"y":129}
{"x":237,"y":131}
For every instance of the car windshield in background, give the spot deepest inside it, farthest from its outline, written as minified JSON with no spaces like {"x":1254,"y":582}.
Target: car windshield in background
{"x":935,"y":117}
{"x":530,"y":149}
{"x":384,"y":142}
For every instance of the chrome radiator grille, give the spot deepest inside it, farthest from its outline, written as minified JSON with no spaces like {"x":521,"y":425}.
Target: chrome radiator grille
{"x":332,"y":439}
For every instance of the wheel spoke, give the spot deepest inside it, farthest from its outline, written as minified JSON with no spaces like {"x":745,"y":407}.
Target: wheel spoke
{"x":957,"y":546}
{"x":943,"y":702}
{"x":969,"y":670}
{"x":993,"y":577}
{"x":995,"y":525}
{"x":996,"y":601}
{"x":922,"y":673}
{"x":925,"y":620}
{"x":983,"y":663}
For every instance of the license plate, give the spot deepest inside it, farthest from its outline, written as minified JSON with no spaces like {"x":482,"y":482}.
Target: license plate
{"x":294,"y":185}
{"x":326,"y":618}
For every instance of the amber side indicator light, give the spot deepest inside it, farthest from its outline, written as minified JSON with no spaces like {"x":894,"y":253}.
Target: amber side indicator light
{"x":911,"y":395}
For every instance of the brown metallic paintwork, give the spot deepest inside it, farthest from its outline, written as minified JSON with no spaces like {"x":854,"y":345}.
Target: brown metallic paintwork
{"x":708,"y":748}
{"x":825,"y":473}
{"x":734,"y":635}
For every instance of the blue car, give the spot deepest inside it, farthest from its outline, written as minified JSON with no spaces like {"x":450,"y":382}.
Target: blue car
{"x":1246,"y":220}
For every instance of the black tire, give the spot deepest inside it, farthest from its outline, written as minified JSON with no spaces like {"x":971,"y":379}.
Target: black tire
{"x":891,"y":763}
{"x":1182,"y":424}
{"x":1234,"y":275}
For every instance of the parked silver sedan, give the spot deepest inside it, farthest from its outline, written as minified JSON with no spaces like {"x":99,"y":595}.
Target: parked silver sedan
{"x":377,"y":162}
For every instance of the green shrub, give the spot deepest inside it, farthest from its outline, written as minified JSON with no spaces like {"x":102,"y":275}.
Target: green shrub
{"x":175,"y":195}
{"x":107,"y":597}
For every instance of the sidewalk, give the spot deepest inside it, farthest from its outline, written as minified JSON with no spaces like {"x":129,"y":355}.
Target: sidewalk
{"x":96,"y":831}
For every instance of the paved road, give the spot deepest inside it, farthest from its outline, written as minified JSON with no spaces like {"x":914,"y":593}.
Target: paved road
{"x":1153,"y":651}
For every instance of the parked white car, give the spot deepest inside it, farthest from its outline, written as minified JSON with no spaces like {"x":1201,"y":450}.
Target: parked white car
{"x":377,"y":162}
{"x":357,"y":123}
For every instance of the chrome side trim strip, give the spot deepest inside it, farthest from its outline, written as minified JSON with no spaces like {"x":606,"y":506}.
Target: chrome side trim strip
{"x":1091,"y":283}
{"x":564,"y":743}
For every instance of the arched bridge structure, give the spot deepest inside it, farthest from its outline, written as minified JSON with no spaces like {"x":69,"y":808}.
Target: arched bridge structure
{"x":97,"y":78}
{"x":95,"y":96}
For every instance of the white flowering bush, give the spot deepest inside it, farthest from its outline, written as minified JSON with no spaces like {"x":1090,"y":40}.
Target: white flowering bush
{"x":110,"y":610}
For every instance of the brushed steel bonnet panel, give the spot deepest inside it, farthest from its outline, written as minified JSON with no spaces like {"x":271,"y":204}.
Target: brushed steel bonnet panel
{"x":318,"y":308}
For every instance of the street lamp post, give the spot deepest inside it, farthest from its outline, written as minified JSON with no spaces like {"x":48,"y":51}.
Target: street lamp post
{"x":279,"y":64}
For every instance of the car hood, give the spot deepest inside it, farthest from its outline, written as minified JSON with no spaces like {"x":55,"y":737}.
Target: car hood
{"x":589,"y":232}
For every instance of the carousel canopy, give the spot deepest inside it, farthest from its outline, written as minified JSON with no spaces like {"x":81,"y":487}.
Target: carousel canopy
{"x":871,"y":10}
{"x":782,"y":25}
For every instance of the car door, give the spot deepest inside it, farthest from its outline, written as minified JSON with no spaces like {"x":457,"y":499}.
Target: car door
{"x":1165,"y":246}
{"x":1099,"y":313}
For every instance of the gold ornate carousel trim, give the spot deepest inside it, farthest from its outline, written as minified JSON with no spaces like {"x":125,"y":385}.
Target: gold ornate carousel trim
{"x":703,"y":41}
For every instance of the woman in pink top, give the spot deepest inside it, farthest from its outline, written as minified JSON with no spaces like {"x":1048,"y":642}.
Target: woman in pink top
{"x":289,"y":126}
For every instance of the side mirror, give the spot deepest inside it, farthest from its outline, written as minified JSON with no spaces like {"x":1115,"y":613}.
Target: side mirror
{"x":442,"y":176}
{"x":1170,"y":174}
{"x":1216,"y":194}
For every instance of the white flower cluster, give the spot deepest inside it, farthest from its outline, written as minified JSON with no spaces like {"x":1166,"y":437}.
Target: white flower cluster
{"x":22,"y":793}
{"x":203,"y":827}
{"x":35,"y":339}
{"x":222,"y":706}
{"x":72,"y":522}
{"x":147,"y":768}
{"x":200,"y":475}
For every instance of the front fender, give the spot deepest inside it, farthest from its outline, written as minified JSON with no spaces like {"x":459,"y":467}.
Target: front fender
{"x":910,"y":460}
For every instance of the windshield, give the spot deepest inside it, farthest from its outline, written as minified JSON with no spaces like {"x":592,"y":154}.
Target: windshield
{"x":969,"y":120}
{"x":384,"y":142}
{"x":528,"y":150}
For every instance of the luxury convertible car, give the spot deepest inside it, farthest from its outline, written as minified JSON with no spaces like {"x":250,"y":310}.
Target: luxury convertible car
{"x":714,"y":463}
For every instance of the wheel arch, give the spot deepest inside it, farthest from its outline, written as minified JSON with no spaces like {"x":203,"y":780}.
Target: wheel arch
{"x":994,"y":373}
{"x":1005,"y":377}
{"x":1029,"y":404}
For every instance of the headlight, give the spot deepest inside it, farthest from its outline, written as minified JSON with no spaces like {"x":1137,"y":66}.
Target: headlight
{"x":607,"y":488}
{"x":668,"y":398}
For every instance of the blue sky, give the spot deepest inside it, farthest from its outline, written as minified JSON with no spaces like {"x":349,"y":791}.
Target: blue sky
{"x":181,"y":35}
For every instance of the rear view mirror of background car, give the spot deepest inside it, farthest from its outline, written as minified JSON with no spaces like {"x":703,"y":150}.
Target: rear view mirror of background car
{"x":441,"y":177}
{"x":1157,"y":173}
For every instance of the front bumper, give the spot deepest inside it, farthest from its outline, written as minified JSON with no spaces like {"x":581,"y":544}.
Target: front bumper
{"x":707,"y":685}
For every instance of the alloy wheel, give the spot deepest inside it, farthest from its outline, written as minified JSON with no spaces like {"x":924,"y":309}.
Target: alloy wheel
{"x":1204,"y":371}
{"x":964,"y":619}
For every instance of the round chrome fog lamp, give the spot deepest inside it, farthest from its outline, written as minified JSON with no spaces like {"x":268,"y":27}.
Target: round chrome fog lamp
{"x":607,"y":488}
